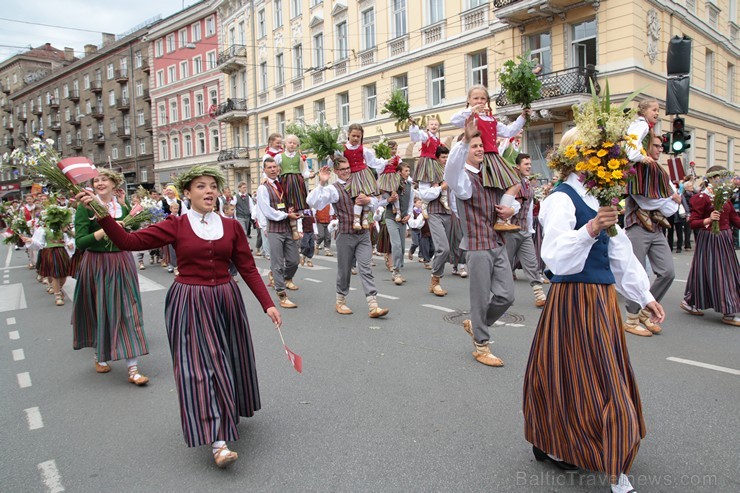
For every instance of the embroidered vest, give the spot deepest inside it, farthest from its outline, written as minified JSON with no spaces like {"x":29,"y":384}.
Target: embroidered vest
{"x":356,"y":159}
{"x":478,"y":216}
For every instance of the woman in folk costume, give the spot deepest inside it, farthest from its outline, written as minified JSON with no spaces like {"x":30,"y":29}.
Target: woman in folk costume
{"x":714,"y":278}
{"x":496,"y":172}
{"x":107,"y":311}
{"x":293,"y":176}
{"x":581,"y":403}
{"x":207,"y":326}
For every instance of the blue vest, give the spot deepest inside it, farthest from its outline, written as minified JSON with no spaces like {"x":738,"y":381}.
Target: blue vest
{"x":597,"y":269}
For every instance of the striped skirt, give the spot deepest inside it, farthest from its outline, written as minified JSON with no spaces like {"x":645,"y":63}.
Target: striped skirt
{"x":497,"y":173}
{"x":74,"y":263}
{"x":295,"y":191}
{"x":428,"y":170}
{"x":537,"y":240}
{"x":389,"y":182}
{"x":581,"y":401}
{"x":107,"y":311}
{"x":373,"y":233}
{"x":54,"y":262}
{"x":363,"y":181}
{"x":714,"y":278}
{"x":457,"y":256}
{"x":384,"y":239}
{"x":213,"y":360}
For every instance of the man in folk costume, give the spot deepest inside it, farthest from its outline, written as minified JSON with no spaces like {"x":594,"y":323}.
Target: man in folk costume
{"x":244,"y":208}
{"x":351,"y":244}
{"x":491,"y":284}
{"x":283,"y":248}
{"x":648,"y":240}
{"x":519,"y":244}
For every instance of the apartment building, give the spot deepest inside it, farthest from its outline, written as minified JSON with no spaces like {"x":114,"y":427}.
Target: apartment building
{"x":186,"y":87}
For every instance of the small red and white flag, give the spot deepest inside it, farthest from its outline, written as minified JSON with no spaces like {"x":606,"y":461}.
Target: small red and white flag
{"x":294,"y":359}
{"x":78,"y":169}
{"x":675,"y":168}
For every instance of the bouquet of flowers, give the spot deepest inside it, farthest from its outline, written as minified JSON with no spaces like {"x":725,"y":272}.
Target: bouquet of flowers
{"x":322,"y":140}
{"x":600,"y":153}
{"x":397,"y":106}
{"x":17,"y":227}
{"x":381,"y":148}
{"x":41,"y":161}
{"x":722,"y":193}
{"x":148,"y":211}
{"x":519,"y":81}
{"x":298,"y":129}
{"x":56,"y":218}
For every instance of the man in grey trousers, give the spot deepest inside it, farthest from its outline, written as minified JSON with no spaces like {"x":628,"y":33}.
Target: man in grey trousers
{"x":397,"y":229}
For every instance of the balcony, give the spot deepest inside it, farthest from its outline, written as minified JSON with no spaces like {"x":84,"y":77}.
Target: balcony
{"x":55,"y":126}
{"x":22,"y":116}
{"x":398,"y":46}
{"x":433,"y":33}
{"x":8,"y":125}
{"x":519,"y":12}
{"x":37,"y":110}
{"x":99,"y":140}
{"x":124,"y":133}
{"x":53,"y":104}
{"x":233,"y":59}
{"x":474,"y":18}
{"x":121,"y":76}
{"x":367,"y":57}
{"x":76,"y":144}
{"x":297,"y":84}
{"x":232,"y":110}
{"x":74,"y":96}
{"x":340,"y":67}
{"x":5,"y":89}
{"x":148,"y":127}
{"x":147,"y":97}
{"x":237,"y":157}
{"x":75,"y":120}
{"x":123,"y":104}
{"x":560,"y":90}
{"x":317,"y":77}
{"x":145,"y":66}
{"x":8,"y":108}
{"x":96,"y":86}
{"x":97,"y":112}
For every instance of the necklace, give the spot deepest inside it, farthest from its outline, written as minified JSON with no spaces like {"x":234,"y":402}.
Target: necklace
{"x":203,"y":218}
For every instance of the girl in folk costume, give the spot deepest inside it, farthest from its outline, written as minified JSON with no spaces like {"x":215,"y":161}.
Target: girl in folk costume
{"x":107,"y":311}
{"x":29,"y":213}
{"x":361,"y":181}
{"x":389,"y":181}
{"x":581,"y":403}
{"x":650,"y":181}
{"x":274,"y":146}
{"x":293,"y":175}
{"x":496,"y":172}
{"x":714,"y":278}
{"x":428,"y":168}
{"x":207,"y":326}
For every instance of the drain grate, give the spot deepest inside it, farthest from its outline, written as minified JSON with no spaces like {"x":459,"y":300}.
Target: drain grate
{"x":457,"y":317}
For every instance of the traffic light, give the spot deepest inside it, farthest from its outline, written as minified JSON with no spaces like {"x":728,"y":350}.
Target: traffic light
{"x":680,"y":136}
{"x":666,"y":141}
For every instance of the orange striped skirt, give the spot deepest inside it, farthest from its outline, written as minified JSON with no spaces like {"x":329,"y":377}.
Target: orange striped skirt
{"x":581,"y":401}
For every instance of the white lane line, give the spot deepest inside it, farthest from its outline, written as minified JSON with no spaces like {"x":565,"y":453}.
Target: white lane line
{"x":6,"y":274}
{"x":24,"y":379}
{"x":679,"y":280}
{"x":33,"y":416}
{"x":315,"y":267}
{"x":704,"y":365}
{"x":50,"y":476}
{"x":14,"y":335}
{"x":325,"y":259}
{"x":311,"y":280}
{"x":353,"y":289}
{"x":10,"y":320}
{"x":388,"y":297}
{"x":18,"y":355}
{"x":8,"y":257}
{"x":440,"y":308}
{"x":6,"y":281}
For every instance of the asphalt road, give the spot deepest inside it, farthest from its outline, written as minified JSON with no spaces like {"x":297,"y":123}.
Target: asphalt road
{"x":394,"y":404}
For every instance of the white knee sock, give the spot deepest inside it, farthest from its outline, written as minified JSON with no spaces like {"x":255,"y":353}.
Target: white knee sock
{"x":357,"y":210}
{"x":132,"y":362}
{"x":217,"y":445}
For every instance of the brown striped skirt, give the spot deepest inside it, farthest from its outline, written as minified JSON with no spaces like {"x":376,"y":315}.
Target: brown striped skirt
{"x":213,"y":360}
{"x":497,"y":173}
{"x":74,"y":263}
{"x":581,"y":401}
{"x":107,"y":311}
{"x":389,"y":182}
{"x":384,"y":239}
{"x":428,"y":170}
{"x":54,"y":262}
{"x":363,"y":181}
{"x":295,"y":191}
{"x":714,"y":278}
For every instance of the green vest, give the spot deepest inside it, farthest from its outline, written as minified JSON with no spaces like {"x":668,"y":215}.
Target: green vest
{"x":290,"y":165}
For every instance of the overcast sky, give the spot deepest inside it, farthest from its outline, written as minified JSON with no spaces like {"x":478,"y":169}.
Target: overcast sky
{"x":112,"y":16}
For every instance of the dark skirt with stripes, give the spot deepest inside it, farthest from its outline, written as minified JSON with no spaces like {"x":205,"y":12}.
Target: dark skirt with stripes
{"x":373,"y":234}
{"x":363,"y":181}
{"x":54,"y":262}
{"x":497,"y":173}
{"x":295,"y":191}
{"x":107,"y":311}
{"x":166,"y":255}
{"x":581,"y":401}
{"x":213,"y":360}
{"x":74,"y":263}
{"x":384,"y":239}
{"x":537,"y":240}
{"x":714,"y":278}
{"x":428,"y":170}
{"x":457,"y":255}
{"x":389,"y":182}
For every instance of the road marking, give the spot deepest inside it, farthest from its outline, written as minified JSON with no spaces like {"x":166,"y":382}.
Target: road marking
{"x":6,"y":281}
{"x":353,"y":289}
{"x":316,"y":267}
{"x":311,"y":280}
{"x":679,"y":280}
{"x":388,"y":297}
{"x":24,"y":379}
{"x":704,"y":365}
{"x":14,"y":335}
{"x":33,"y":416}
{"x":8,"y":257}
{"x":326,"y":259}
{"x":440,"y":308}
{"x":10,"y":320}
{"x":18,"y":355}
{"x":50,"y":476}
{"x":12,"y":297}
{"x":6,"y":274}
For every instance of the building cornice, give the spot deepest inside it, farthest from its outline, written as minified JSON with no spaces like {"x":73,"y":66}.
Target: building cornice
{"x":183,"y":18}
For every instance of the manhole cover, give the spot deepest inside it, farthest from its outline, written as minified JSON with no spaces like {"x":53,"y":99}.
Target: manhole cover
{"x":457,"y":317}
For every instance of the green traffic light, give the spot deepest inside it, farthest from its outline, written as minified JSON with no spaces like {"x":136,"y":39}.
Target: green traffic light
{"x":677,"y":146}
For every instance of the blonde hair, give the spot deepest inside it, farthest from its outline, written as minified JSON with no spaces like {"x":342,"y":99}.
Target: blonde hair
{"x":643,"y":106}
{"x":292,"y":136}
{"x":113,"y":176}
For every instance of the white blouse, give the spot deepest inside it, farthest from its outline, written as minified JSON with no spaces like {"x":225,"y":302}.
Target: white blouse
{"x":208,"y":227}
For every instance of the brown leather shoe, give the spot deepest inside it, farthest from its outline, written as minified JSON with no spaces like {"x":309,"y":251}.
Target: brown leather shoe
{"x":223,"y":456}
{"x":483,"y":355}
{"x":135,"y":377}
{"x":733,"y":320}
{"x":343,"y":309}
{"x":643,"y":217}
{"x":435,"y":288}
{"x":505,"y":227}
{"x":637,"y":330}
{"x":659,"y":218}
{"x":102,"y":368}
{"x":691,"y":310}
{"x":378,"y":312}
{"x":645,"y":320}
{"x":284,"y":301}
{"x":290,"y":285}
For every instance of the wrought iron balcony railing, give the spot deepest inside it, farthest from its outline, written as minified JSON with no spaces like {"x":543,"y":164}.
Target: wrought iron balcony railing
{"x":574,"y":80}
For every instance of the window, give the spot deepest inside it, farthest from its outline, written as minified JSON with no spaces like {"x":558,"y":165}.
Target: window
{"x":163,"y":150}
{"x":114,"y":152}
{"x":195,"y":32}
{"x":710,"y":147}
{"x":210,"y":26}
{"x":88,"y":107}
{"x":201,"y":143}
{"x":110,"y":71}
{"x":127,"y":150}
{"x":139,"y":88}
{"x":111,"y":98}
{"x":186,"y":108}
{"x":182,"y":36}
{"x":538,"y":143}
{"x":138,"y":59}
{"x":319,"y":111}
{"x":478,"y":68}
{"x":197,"y":65}
{"x":175,"y":148}
{"x":171,"y":74}
{"x":709,"y":74}
{"x":295,"y":8}
{"x":124,"y":91}
{"x":123,"y":65}
{"x":160,"y":78}
{"x":318,"y":51}
{"x":113,"y":126}
{"x":279,"y":69}
{"x":184,"y":72}
{"x":371,"y":101}
{"x":215,"y":140}
{"x":342,"y":42}
{"x":277,"y":10}
{"x":261,"y":28}
{"x":199,"y":108}
{"x":86,"y":81}
{"x":540,"y":48}
{"x":437,"y":84}
{"x":343,"y":109}
{"x":401,"y":83}
{"x":368,"y":29}
{"x":143,"y":171}
{"x":158,"y":48}
{"x":211,"y":59}
{"x":691,"y":6}
{"x":265,"y":124}
{"x":188,"y":139}
{"x":263,"y":76}
{"x":731,"y":154}
{"x":140,"y":119}
{"x":298,"y":114}
{"x":173,"y":111}
{"x":213,"y":96}
{"x":297,"y":61}
{"x":583,"y":44}
{"x":89,"y":133}
{"x":471,"y":4}
{"x":713,"y":16}
{"x":280,"y":122}
{"x":730,"y":82}
{"x":170,"y":43}
{"x":436,"y":11}
{"x":399,"y":17}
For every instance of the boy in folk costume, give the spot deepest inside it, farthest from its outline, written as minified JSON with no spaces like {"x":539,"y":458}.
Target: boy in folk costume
{"x":293,"y":173}
{"x":389,"y":180}
{"x":402,"y":201}
{"x":307,"y":230}
{"x":323,"y":236}
{"x":352,"y":244}
{"x":491,"y":284}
